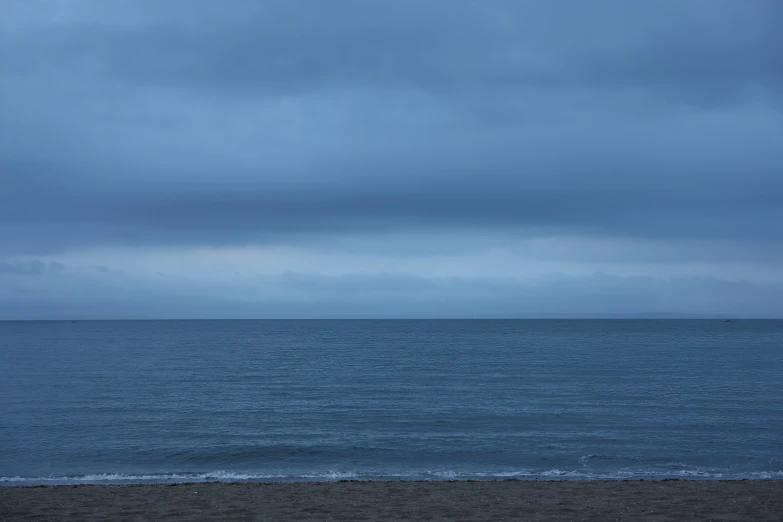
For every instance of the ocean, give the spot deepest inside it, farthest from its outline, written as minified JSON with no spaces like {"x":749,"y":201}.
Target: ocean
{"x":275,"y":400}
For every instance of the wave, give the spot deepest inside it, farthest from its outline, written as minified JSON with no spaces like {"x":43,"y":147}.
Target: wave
{"x":332,"y":476}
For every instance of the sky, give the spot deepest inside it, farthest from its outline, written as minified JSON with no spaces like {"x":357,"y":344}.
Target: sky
{"x":378,"y":158}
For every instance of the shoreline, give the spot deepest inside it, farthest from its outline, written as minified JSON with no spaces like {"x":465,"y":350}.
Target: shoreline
{"x":65,"y":482}
{"x":238,"y":476}
{"x":651,"y":499}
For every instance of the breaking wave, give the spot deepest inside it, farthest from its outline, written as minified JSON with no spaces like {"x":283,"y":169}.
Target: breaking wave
{"x":332,"y":476}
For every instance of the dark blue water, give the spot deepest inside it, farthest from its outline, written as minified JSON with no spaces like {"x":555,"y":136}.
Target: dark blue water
{"x":294,"y":400}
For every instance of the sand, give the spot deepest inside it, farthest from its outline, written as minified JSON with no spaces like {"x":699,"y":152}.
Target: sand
{"x":505,"y":500}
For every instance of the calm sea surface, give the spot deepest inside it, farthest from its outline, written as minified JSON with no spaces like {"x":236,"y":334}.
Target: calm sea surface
{"x":158,"y":401}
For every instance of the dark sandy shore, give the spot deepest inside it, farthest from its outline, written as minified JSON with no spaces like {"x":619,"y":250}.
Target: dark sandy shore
{"x":527,"y":500}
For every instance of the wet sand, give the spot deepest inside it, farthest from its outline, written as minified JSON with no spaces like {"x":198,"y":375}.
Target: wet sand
{"x":505,"y":500}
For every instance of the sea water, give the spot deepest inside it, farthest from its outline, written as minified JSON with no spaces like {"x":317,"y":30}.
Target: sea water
{"x":163,"y":401}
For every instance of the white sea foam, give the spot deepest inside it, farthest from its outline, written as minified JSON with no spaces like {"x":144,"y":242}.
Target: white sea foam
{"x":97,"y":478}
{"x":331,"y":476}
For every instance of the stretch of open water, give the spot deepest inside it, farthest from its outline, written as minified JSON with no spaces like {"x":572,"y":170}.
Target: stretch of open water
{"x":161,"y":401}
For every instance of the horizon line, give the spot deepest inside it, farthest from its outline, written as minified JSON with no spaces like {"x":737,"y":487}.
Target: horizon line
{"x":617,"y":317}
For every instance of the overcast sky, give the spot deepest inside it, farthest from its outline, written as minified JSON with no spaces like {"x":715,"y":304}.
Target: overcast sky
{"x":406,"y":158}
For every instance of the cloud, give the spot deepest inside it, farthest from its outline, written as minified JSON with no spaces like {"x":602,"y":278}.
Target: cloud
{"x":284,"y":48}
{"x":33,"y":267}
{"x":291,"y":294}
{"x":596,"y":133}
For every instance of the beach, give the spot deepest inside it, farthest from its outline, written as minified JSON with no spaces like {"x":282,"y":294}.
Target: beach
{"x":405,"y":500}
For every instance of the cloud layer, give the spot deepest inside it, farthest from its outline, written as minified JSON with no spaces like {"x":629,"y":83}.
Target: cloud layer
{"x":599,"y":130}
